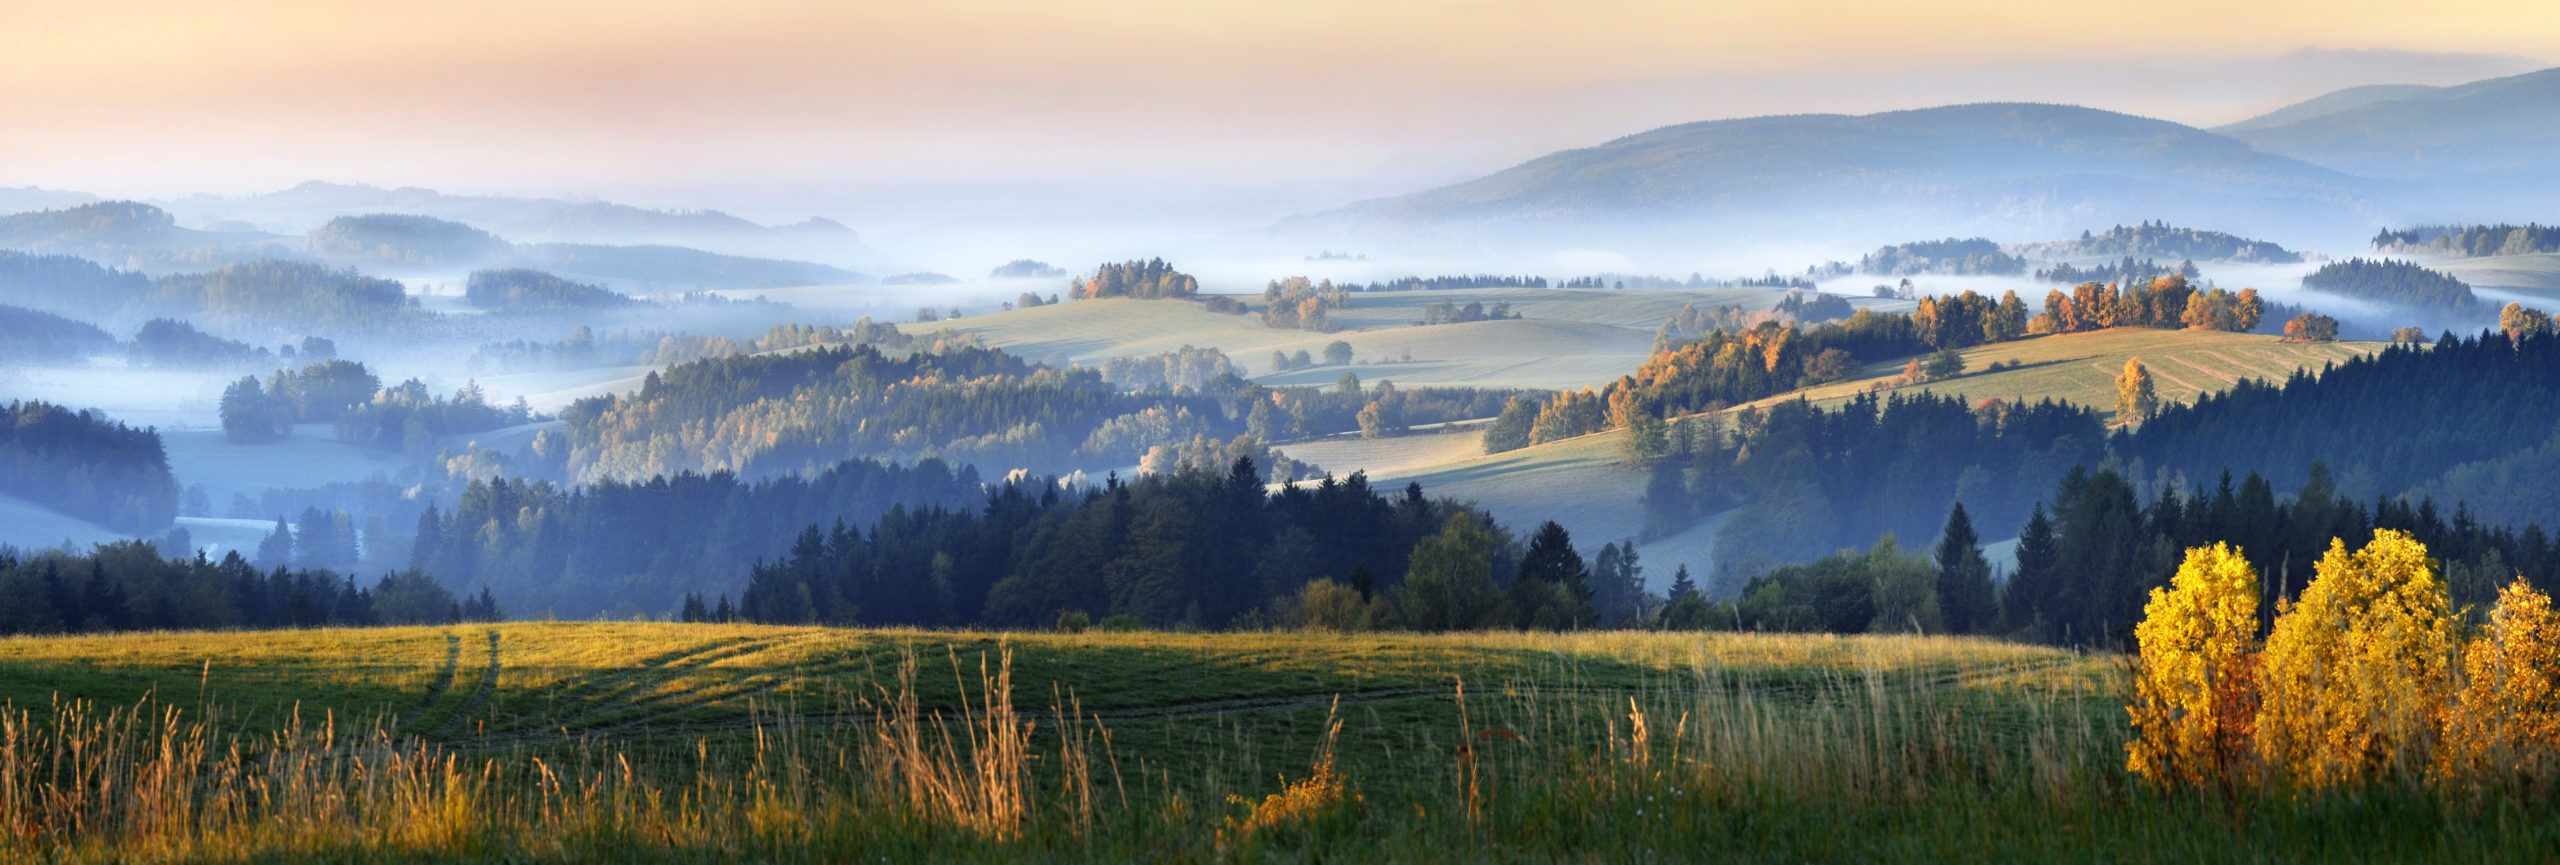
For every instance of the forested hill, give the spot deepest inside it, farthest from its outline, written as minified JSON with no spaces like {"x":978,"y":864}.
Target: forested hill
{"x":763,"y":414}
{"x":2385,"y":423}
{"x":2394,"y":282}
{"x":82,"y":464}
{"x":32,"y":337}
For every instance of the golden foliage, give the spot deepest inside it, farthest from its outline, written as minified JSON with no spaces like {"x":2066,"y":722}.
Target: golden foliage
{"x":2355,"y":674}
{"x":2505,"y":722}
{"x":2192,"y":709}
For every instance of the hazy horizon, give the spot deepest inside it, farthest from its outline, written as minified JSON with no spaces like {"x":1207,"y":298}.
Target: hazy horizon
{"x":908,"y":122}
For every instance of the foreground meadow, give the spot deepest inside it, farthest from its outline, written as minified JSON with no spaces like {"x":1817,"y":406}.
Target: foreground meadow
{"x":679,"y":743}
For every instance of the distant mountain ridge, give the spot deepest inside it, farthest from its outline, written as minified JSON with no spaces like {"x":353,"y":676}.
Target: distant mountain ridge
{"x":2000,"y":169}
{"x":2496,"y":130}
{"x":536,"y":220}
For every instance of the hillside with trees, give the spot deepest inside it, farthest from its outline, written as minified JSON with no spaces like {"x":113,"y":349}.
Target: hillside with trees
{"x":66,"y":285}
{"x":2394,"y":282}
{"x":38,"y":338}
{"x":85,"y":465}
{"x":406,"y":239}
{"x":521,"y":290}
{"x":132,"y":236}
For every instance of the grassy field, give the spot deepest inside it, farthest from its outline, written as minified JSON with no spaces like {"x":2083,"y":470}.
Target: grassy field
{"x":1563,"y":339}
{"x":2532,"y":279}
{"x":2082,"y":367}
{"x":29,"y":526}
{"x":704,"y":743}
{"x":202,"y":457}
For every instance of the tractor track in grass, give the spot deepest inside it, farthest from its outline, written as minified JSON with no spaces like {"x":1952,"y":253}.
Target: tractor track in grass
{"x":1754,"y":683}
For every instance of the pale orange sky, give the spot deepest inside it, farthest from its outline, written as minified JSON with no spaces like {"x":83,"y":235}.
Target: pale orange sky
{"x":162,"y":96}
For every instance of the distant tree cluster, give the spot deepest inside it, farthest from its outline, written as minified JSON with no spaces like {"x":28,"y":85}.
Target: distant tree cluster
{"x":1146,"y":280}
{"x":2167,"y":302}
{"x":170,"y":343}
{"x":131,"y":586}
{"x":2130,"y":271}
{"x":1024,"y":268}
{"x":408,"y":417}
{"x":1807,"y":306}
{"x":1449,"y":312}
{"x":1949,"y":257}
{"x":82,"y":464}
{"x":37,"y":338}
{"x":584,"y":348}
{"x":2393,"y":281}
{"x":522,"y":290}
{"x":405,"y":239}
{"x":2160,"y":240}
{"x":1449,"y":283}
{"x":2517,"y":321}
{"x":1297,"y":303}
{"x":606,"y":548}
{"x":291,"y":293}
{"x":2469,"y":241}
{"x":1197,"y":369}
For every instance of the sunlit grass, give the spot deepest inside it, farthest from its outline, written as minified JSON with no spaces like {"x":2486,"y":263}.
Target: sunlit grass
{"x":655,"y":742}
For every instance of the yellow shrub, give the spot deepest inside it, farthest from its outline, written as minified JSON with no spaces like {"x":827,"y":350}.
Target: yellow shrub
{"x":2193,"y":695}
{"x":2354,"y":676}
{"x":2505,"y":723}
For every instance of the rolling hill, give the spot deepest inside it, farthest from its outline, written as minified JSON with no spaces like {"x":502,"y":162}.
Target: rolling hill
{"x":1996,"y":169}
{"x":2498,"y":130}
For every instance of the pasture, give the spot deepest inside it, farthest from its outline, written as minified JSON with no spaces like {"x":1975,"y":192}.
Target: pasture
{"x":718,"y":743}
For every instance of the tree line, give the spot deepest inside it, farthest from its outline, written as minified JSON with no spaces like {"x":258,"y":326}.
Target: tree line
{"x":132,"y":586}
{"x":2469,"y":241}
{"x":1195,"y":548}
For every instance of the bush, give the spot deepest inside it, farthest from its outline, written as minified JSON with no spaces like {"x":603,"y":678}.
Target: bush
{"x":1073,"y":621}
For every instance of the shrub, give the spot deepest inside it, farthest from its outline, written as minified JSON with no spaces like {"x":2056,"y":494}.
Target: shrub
{"x":2355,"y":673}
{"x":2193,"y":689}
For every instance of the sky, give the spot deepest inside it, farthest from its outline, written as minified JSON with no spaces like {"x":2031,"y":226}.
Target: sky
{"x":912,"y":113}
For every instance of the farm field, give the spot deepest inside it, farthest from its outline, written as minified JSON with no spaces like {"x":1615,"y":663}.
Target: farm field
{"x":2081,"y":367}
{"x":664,"y":742}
